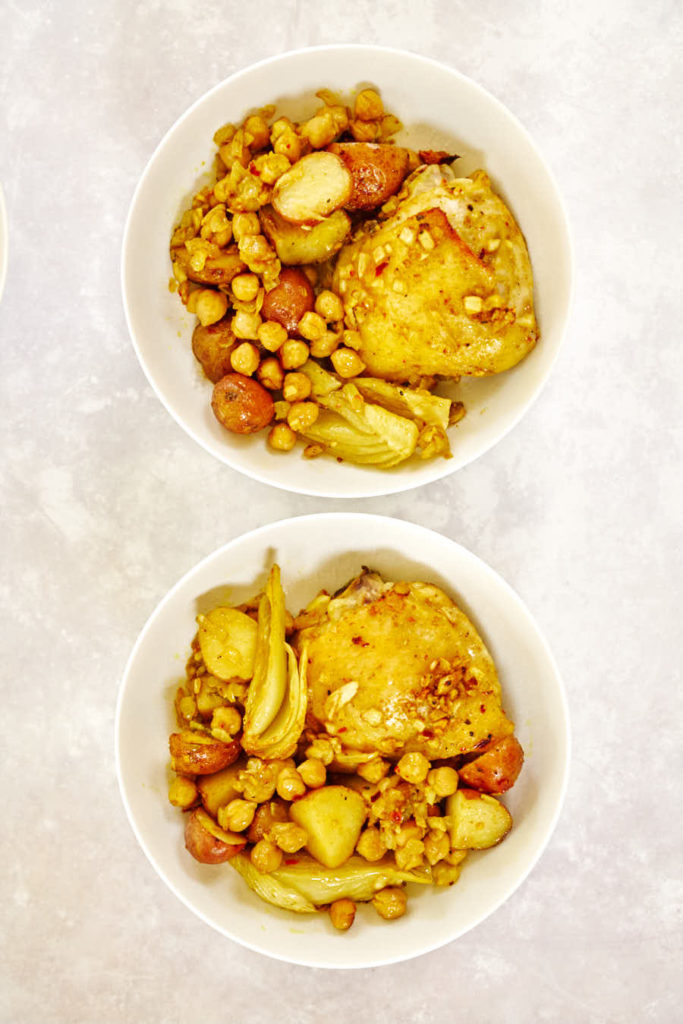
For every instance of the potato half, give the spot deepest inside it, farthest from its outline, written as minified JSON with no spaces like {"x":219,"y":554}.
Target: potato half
{"x":312,"y":189}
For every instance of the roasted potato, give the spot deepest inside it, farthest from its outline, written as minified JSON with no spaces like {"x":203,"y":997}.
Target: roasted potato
{"x":333,"y":817}
{"x":193,"y":753}
{"x":207,"y":842}
{"x":496,"y":770}
{"x":316,"y":186}
{"x":227,"y":641}
{"x":267,"y":815}
{"x":241,"y":404}
{"x":478,"y":820}
{"x":219,"y":789}
{"x":377,"y":171}
{"x":295,"y":244}
{"x":212,"y":347}
{"x":287,"y":302}
{"x":219,"y":269}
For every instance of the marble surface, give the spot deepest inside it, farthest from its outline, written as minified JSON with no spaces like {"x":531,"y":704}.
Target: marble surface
{"x":106,"y":503}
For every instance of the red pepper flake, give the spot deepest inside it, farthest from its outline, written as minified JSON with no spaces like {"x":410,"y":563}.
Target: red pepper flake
{"x":396,"y":817}
{"x":291,"y":860}
{"x":482,"y":708}
{"x":380,"y":267}
{"x":343,"y":729}
{"x":375,"y":796}
{"x":358,"y":640}
{"x":428,"y":734}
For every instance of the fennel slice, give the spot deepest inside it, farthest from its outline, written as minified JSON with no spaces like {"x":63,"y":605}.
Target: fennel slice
{"x":267,"y":688}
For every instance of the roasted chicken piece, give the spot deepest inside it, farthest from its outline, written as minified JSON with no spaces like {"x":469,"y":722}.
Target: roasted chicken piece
{"x":398,"y":667}
{"x":443,"y":286}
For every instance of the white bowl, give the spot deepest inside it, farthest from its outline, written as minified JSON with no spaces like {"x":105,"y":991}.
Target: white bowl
{"x":325,"y":551}
{"x":440,"y":108}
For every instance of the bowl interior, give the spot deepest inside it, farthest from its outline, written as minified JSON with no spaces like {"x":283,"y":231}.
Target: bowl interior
{"x":325,"y":551}
{"x":439,"y":109}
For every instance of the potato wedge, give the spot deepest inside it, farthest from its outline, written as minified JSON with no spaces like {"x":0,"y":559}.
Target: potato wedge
{"x":478,"y":821}
{"x":333,"y":817}
{"x":377,"y":171}
{"x":313,"y":188}
{"x":296,"y":245}
{"x":212,"y":346}
{"x":219,"y":789}
{"x":193,"y":753}
{"x":496,"y":770}
{"x":227,"y":641}
{"x":207,"y":842}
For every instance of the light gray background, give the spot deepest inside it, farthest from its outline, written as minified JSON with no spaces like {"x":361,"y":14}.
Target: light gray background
{"x":107,"y":503}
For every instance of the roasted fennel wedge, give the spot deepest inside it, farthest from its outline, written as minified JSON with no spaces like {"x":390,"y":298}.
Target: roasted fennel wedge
{"x":275,"y":708}
{"x":305,"y":885}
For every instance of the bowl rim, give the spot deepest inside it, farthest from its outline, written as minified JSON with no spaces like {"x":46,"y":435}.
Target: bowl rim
{"x":387,"y":482}
{"x":336,"y":518}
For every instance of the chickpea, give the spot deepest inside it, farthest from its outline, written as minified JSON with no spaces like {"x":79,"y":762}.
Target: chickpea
{"x":257,"y":127}
{"x":347,"y":363}
{"x":293,"y":354}
{"x":351,"y":339}
{"x":371,"y":845}
{"x":410,"y":855}
{"x":245,"y":359}
{"x":271,"y":374}
{"x":320,"y":130}
{"x":312,"y":327}
{"x":436,"y":847}
{"x":302,"y":415}
{"x":342,"y":914}
{"x":272,"y":335}
{"x":313,"y":772}
{"x":329,"y":306}
{"x":271,"y":166}
{"x":445,"y":874}
{"x":228,"y":720}
{"x":182,"y":792}
{"x":282,"y":438}
{"x":364,"y":131}
{"x":322,"y":750}
{"x":444,"y":781}
{"x":325,"y":346}
{"x":288,"y":144}
{"x":255,"y":249}
{"x":373,"y":771}
{"x":265,"y":817}
{"x":210,"y":306}
{"x":413,"y":768}
{"x":368,"y":105}
{"x":389,"y":903}
{"x":296,"y":387}
{"x":288,"y":836}
{"x":237,"y":815}
{"x":245,"y":224}
{"x":266,"y":856}
{"x":246,"y":325}
{"x":245,"y":287}
{"x":290,"y":784}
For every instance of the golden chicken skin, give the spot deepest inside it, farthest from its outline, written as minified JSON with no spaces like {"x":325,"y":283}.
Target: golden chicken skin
{"x":441,"y":287}
{"x":398,"y":667}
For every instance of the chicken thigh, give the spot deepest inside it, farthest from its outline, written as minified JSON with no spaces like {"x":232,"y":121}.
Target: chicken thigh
{"x":443,"y":286}
{"x":398,"y":667}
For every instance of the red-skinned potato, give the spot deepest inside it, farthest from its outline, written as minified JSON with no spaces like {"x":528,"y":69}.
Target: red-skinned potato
{"x":291,"y":297}
{"x":193,"y":753}
{"x":207,"y":842}
{"x":496,"y":770}
{"x":241,"y":404}
{"x":212,"y":346}
{"x":377,"y":171}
